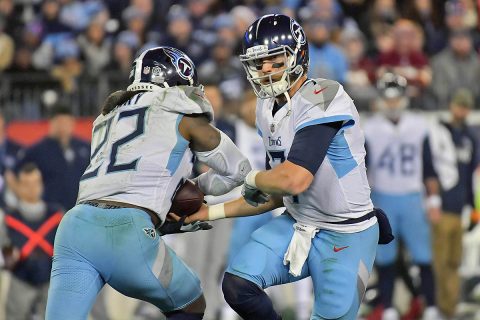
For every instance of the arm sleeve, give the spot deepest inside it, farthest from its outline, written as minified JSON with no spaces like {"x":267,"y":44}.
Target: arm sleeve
{"x":428,"y":169}
{"x":228,"y":168}
{"x":316,"y":139}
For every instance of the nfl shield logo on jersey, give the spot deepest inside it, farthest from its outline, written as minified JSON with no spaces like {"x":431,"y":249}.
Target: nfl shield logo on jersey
{"x":149,"y":232}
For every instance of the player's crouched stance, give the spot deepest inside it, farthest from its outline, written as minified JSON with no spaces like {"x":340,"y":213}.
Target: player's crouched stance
{"x":315,"y":148}
{"x":142,"y":146}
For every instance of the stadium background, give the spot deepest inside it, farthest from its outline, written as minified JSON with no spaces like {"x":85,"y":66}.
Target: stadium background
{"x":75,"y":52}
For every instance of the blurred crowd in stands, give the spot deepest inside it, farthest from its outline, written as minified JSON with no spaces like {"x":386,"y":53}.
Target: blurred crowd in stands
{"x":433,"y":43}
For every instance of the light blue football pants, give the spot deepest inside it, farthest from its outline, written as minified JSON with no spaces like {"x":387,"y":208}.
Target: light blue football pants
{"x":94,"y":246}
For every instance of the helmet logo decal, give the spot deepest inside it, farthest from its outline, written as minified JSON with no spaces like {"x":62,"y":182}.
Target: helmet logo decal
{"x":183,"y":65}
{"x":297,"y":32}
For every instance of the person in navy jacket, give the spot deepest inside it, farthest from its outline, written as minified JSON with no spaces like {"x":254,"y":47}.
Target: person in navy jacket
{"x":61,"y":158}
{"x":31,"y":228}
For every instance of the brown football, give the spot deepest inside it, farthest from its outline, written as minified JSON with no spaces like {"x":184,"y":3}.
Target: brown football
{"x":187,"y":200}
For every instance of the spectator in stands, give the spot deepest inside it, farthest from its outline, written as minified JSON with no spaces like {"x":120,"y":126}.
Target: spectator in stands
{"x":50,"y":19}
{"x":243,"y":17}
{"x":124,"y":50}
{"x":61,"y":158}
{"x":9,"y":149}
{"x":324,"y":10}
{"x":9,"y":153}
{"x":68,"y":66}
{"x":136,"y":21}
{"x":326,"y":59}
{"x":95,"y":48}
{"x":22,"y":61}
{"x":361,"y":72}
{"x":31,"y":229}
{"x":381,"y":15}
{"x":181,"y":35}
{"x":7,"y":48}
{"x":384,"y":42}
{"x":200,"y":15}
{"x":457,"y":66}
{"x":224,"y":26}
{"x":225,"y":71}
{"x":77,"y":15}
{"x":7,"y":16}
{"x":427,"y":14}
{"x":457,"y":192}
{"x":407,"y":60}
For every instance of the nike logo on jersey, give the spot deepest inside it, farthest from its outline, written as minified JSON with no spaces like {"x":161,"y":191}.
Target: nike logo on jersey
{"x":318,"y":91}
{"x":335,"y":249}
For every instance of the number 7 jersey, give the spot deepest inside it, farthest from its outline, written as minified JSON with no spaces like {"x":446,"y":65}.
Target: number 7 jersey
{"x":138,"y":155}
{"x":340,"y":189}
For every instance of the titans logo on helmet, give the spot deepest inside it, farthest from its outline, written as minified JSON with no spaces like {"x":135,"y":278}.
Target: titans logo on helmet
{"x":297,"y":32}
{"x":183,"y":65}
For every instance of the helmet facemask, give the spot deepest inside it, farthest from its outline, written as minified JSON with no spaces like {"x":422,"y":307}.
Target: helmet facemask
{"x":266,"y":86}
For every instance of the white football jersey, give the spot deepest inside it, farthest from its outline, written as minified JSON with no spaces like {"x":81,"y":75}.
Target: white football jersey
{"x":340,"y":189}
{"x":138,"y":155}
{"x":395,"y":153}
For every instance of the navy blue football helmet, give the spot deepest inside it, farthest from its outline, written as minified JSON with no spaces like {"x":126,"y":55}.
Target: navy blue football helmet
{"x":391,"y":85}
{"x":269,"y":36}
{"x":162,"y":67}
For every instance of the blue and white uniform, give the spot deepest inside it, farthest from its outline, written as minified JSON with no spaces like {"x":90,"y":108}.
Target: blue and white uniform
{"x":343,"y":244}
{"x":138,"y":157}
{"x":398,"y":161}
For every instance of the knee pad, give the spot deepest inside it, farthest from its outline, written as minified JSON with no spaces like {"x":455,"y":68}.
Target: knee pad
{"x":247,"y":299}
{"x":237,"y":290}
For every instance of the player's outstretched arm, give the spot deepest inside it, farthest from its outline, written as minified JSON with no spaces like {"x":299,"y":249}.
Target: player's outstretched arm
{"x":232,"y":209}
{"x":287,"y":178}
{"x":212,"y":147}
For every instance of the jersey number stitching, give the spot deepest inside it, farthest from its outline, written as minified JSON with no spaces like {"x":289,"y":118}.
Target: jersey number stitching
{"x":103,"y":129}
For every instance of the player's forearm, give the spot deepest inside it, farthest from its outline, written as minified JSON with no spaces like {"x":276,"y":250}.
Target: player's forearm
{"x":275,"y":182}
{"x":285,"y":179}
{"x":240,"y":208}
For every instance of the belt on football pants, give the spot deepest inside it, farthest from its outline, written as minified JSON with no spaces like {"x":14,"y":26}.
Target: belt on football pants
{"x":107,"y":204}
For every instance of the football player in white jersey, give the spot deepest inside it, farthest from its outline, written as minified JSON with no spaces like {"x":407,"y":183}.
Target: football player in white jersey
{"x":142,"y":149}
{"x":399,"y":165}
{"x":315,"y":148}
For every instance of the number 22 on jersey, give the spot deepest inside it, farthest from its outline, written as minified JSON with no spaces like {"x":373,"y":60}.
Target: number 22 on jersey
{"x":101,"y":136}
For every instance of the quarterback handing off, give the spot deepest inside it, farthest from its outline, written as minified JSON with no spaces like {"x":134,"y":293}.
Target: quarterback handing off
{"x":315,"y":149}
{"x":142,"y":150}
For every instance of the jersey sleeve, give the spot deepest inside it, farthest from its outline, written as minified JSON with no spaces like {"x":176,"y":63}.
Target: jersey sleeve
{"x":183,"y":99}
{"x":324,"y":101}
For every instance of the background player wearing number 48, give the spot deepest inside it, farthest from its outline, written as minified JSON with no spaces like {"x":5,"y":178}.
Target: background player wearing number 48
{"x":142,"y":150}
{"x":399,"y":162}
